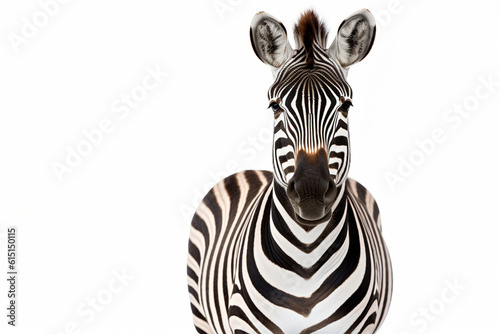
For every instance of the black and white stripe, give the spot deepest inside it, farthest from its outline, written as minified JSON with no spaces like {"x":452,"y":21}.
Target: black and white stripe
{"x":252,"y":266}
{"x":308,"y":120}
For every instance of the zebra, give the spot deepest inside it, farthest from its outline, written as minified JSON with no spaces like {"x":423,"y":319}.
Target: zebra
{"x":299,"y":249}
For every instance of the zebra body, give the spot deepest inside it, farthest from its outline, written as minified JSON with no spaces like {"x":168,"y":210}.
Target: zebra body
{"x":299,"y":250}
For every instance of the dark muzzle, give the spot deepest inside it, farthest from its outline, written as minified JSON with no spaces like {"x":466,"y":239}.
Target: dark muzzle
{"x":312,"y":189}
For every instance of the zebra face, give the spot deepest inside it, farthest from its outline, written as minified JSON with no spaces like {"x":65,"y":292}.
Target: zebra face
{"x":311,"y":139}
{"x":310,"y":99}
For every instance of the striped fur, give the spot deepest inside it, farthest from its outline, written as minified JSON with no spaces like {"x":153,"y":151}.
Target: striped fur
{"x":252,"y":267}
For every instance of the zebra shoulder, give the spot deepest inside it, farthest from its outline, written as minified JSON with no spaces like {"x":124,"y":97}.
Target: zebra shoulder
{"x":252,"y":182}
{"x":248,"y":182}
{"x":365,"y":198}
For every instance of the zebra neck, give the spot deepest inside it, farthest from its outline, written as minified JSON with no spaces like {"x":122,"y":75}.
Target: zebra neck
{"x":291,"y":243}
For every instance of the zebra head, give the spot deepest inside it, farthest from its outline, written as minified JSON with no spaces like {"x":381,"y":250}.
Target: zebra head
{"x":310,"y":98}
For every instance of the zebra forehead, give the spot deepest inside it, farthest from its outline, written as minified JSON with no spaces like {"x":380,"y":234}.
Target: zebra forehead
{"x":323,"y":84}
{"x":295,"y":76}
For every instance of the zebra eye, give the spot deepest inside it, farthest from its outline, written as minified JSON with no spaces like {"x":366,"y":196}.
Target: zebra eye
{"x":274,"y":106}
{"x":344,"y":107}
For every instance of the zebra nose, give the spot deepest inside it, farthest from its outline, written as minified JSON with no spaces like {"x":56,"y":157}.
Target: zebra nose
{"x":312,"y":189}
{"x":300,"y":190}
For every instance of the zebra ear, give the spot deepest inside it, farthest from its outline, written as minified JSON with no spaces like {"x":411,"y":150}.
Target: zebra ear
{"x":269,"y":40}
{"x":354,"y":38}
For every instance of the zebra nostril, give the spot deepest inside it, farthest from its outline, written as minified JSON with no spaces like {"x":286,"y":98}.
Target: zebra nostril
{"x":292,"y":193}
{"x":331,"y":191}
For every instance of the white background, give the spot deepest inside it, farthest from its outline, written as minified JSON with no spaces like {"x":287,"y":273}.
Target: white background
{"x":127,"y":205}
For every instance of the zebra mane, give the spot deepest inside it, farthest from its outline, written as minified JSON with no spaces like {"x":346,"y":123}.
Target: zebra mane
{"x":309,"y":29}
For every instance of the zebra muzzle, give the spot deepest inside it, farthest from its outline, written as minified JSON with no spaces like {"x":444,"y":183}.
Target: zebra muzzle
{"x":312,"y":190}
